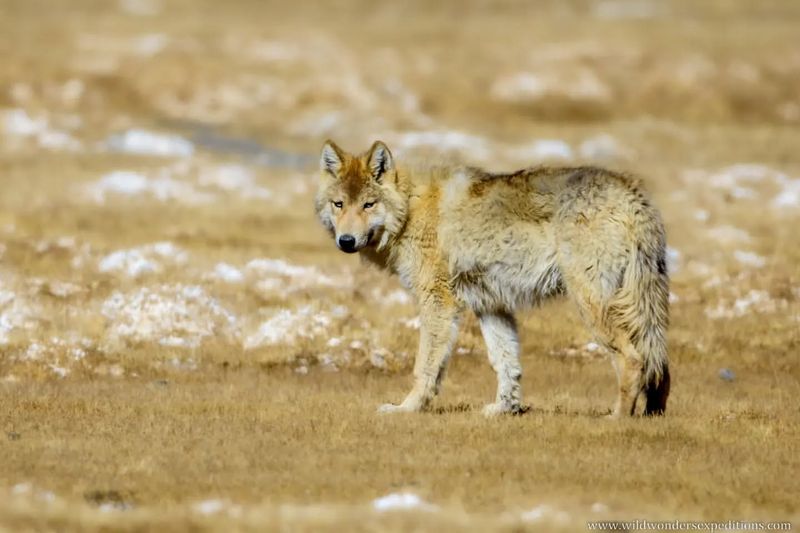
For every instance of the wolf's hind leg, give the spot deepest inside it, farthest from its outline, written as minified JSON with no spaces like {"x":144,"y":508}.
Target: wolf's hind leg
{"x":629,"y":364}
{"x":625,"y":358}
{"x":500,"y":335}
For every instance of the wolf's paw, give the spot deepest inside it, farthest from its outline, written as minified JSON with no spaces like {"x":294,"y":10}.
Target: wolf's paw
{"x":503,"y":408}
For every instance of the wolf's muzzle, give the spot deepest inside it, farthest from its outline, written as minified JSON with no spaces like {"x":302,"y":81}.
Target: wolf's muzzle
{"x":347,"y":243}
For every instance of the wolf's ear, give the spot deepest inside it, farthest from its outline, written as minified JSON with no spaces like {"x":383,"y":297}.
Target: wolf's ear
{"x":380,"y":160}
{"x":331,"y":159}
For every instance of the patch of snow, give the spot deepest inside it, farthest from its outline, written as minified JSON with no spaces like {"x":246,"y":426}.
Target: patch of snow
{"x":543,"y":149}
{"x":286,"y":326}
{"x":411,"y":323}
{"x":545,"y":512}
{"x":754,"y":302}
{"x":673,"y":259}
{"x":18,"y":123}
{"x":444,"y":141}
{"x":397,"y":296}
{"x":789,"y":197}
{"x":208,"y":507}
{"x":579,"y":84}
{"x":751,"y":259}
{"x":21,"y":488}
{"x":16,"y":313}
{"x":137,"y":262}
{"x":272,"y":276}
{"x":598,"y":507}
{"x":227,"y":273}
{"x":333,"y":342}
{"x":519,"y":86}
{"x":150,"y":143}
{"x":729,"y":235}
{"x":166,"y":314}
{"x":233,"y":179}
{"x":402,"y":501}
{"x":162,"y":187}
{"x":150,"y":44}
{"x":59,"y":370}
{"x":601,"y":147}
{"x":701,"y":215}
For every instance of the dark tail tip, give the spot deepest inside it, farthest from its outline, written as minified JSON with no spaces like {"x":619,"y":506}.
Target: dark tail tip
{"x":656,"y":394}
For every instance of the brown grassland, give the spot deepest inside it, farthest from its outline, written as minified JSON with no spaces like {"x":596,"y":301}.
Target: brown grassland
{"x":183,"y":348}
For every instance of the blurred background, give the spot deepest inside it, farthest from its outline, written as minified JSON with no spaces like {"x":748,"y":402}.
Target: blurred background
{"x":157,"y":169}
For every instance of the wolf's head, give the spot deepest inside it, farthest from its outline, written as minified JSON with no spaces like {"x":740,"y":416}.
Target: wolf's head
{"x":359,"y":198}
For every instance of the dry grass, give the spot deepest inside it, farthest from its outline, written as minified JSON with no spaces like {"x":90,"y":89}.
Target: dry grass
{"x":166,"y":392}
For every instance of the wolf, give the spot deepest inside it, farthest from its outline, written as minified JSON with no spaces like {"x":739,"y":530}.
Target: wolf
{"x":461,"y":237}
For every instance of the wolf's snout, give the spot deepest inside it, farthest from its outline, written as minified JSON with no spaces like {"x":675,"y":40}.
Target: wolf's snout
{"x":347,"y":243}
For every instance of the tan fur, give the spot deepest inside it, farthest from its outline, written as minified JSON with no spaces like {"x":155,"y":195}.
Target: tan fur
{"x":496,"y":243}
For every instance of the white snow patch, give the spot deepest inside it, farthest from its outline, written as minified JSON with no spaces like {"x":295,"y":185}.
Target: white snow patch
{"x":411,"y":323}
{"x":729,"y":235}
{"x":163,"y":187}
{"x":397,"y":296}
{"x":234,"y":179}
{"x":150,"y":143}
{"x":150,"y":259}
{"x":227,"y":273}
{"x":545,"y":512}
{"x":402,"y":501}
{"x":286,"y":326}
{"x":518,"y":87}
{"x":18,"y":123}
{"x":673,"y":259}
{"x":150,"y":44}
{"x":22,"y":488}
{"x":754,"y":302}
{"x":59,"y":370}
{"x":333,"y":342}
{"x":543,"y":149}
{"x":16,"y":313}
{"x":601,"y":147}
{"x":444,"y":141}
{"x":272,"y":276}
{"x":208,"y":507}
{"x":177,"y":315}
{"x":751,"y":259}
{"x":789,"y":197}
{"x":579,"y":84}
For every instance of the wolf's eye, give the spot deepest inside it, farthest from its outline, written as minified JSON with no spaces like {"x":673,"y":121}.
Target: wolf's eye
{"x":338,"y":205}
{"x":368,"y":205}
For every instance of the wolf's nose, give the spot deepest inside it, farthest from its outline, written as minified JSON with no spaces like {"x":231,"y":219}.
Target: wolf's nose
{"x":347,"y":243}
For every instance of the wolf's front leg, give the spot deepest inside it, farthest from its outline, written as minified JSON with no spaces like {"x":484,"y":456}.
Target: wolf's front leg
{"x":438,"y":328}
{"x":500,"y":334}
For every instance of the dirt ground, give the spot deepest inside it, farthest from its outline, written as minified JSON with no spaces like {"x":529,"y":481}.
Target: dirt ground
{"x":183,"y":348}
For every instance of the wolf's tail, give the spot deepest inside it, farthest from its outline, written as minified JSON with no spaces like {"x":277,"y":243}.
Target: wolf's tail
{"x":642,"y":309}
